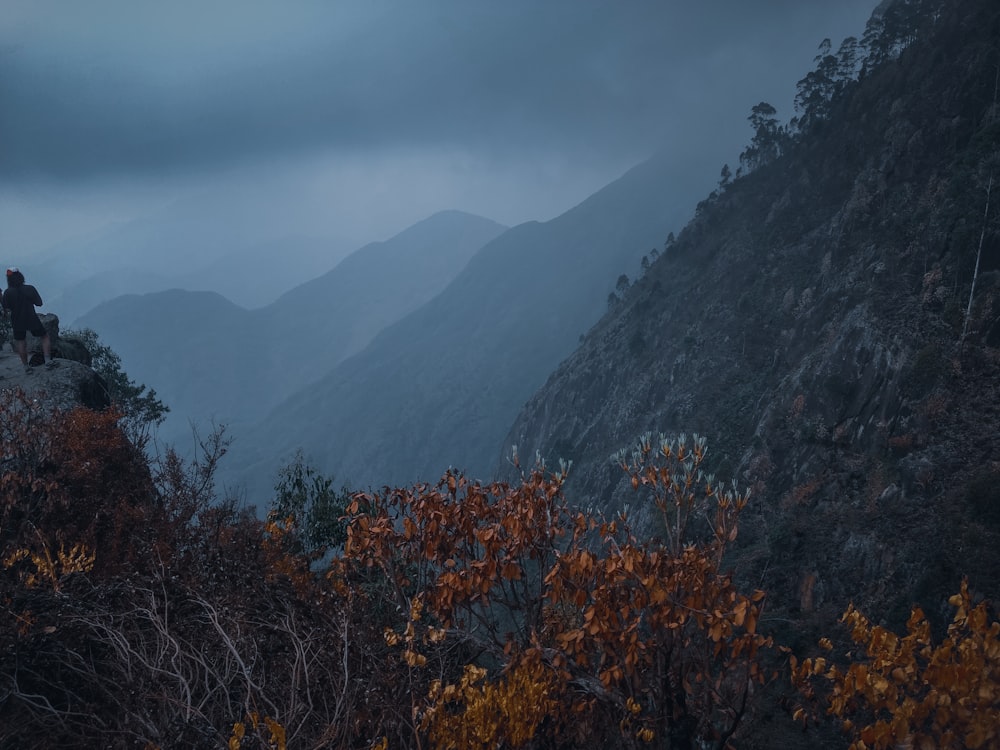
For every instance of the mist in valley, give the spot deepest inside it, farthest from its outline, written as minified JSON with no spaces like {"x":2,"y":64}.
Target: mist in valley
{"x":183,"y":178}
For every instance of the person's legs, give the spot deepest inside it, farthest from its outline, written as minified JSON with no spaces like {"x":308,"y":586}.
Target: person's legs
{"x":47,"y":352}
{"x":43,"y":335}
{"x":21,"y":346}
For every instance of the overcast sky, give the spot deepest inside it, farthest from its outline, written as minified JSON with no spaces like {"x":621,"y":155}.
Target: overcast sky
{"x":360,"y":117}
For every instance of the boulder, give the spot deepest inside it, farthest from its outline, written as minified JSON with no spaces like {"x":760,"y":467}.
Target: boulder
{"x":71,"y":383}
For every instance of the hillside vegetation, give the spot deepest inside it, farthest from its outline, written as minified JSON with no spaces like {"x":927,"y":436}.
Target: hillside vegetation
{"x":141,"y":610}
{"x":830,"y":321}
{"x":811,"y":576}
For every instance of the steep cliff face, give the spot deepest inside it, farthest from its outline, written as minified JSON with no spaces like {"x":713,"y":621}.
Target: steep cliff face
{"x":809,"y":322}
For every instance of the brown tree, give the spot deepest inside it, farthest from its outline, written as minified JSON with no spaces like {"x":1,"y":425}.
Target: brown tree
{"x":907,"y":691}
{"x":635,"y":641}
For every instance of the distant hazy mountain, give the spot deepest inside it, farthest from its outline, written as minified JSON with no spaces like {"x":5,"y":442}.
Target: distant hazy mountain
{"x":251,"y":276}
{"x":331,"y":317}
{"x":208,"y":358}
{"x":234,"y":245}
{"x":194,"y":348}
{"x":79,"y":296}
{"x":442,"y":386}
{"x":255,"y":275}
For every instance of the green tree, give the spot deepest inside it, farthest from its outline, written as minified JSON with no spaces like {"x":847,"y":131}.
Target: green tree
{"x":891,"y":29}
{"x":308,"y":508}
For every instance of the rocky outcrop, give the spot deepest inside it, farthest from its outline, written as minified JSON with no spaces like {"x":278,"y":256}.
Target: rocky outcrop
{"x":71,"y":383}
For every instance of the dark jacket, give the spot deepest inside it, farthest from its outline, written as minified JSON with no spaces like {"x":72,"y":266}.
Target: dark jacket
{"x":21,"y":301}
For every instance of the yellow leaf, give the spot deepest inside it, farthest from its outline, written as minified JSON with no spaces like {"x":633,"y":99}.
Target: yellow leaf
{"x":740,"y":612}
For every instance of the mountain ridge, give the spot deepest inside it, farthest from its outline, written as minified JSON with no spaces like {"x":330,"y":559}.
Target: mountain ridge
{"x":237,"y":363}
{"x":440,"y":386}
{"x":811,"y":321}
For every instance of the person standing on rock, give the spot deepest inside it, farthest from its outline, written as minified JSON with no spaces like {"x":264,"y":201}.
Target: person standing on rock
{"x":20,"y":300}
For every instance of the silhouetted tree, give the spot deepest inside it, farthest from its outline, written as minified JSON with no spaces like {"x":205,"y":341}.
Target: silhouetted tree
{"x":847,"y":60}
{"x":725,"y":176}
{"x":817,"y":89}
{"x":766,"y":144}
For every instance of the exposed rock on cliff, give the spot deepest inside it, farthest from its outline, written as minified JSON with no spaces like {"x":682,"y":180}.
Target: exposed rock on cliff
{"x":70,"y":384}
{"x":810,"y":322}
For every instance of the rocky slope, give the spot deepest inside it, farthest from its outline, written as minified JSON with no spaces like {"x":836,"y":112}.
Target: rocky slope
{"x":810,"y":323}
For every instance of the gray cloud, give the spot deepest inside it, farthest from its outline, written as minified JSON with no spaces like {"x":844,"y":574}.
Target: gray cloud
{"x":94,"y":89}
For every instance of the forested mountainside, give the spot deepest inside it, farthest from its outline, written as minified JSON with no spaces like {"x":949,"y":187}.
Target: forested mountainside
{"x":817,"y":322}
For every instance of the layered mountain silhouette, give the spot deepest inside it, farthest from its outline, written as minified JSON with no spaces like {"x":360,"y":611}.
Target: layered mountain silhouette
{"x":210,"y":359}
{"x":235,"y":244}
{"x":252,"y":275}
{"x":440,"y":387}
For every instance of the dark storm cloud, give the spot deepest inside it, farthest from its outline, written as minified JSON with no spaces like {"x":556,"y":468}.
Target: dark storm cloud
{"x":102,"y":88}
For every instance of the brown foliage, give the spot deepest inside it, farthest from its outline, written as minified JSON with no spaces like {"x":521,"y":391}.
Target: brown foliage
{"x":905,"y":691}
{"x":612,"y":623}
{"x":137,"y":609}
{"x":69,"y":478}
